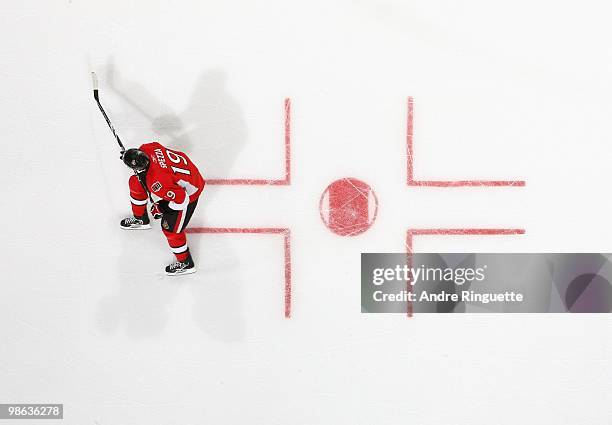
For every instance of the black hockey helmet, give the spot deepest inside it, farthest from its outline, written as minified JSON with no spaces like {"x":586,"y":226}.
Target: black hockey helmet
{"x":136,"y":159}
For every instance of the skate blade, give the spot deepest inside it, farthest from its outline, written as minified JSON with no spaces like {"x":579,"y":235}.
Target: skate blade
{"x":182,"y":272}
{"x":143,"y":227}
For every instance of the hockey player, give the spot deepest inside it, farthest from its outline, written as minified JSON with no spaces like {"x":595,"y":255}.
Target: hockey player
{"x":175,"y":184}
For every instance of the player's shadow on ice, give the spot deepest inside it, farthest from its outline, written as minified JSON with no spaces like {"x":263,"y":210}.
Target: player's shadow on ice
{"x":140,"y":307}
{"x":147,"y":299}
{"x":211,"y":129}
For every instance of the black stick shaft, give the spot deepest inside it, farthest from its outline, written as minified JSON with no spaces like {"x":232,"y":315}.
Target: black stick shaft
{"x":108,"y":120}
{"x":110,"y":125}
{"x":97,"y":99}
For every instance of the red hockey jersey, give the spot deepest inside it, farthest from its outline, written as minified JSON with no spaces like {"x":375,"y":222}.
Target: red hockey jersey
{"x":172,"y":176}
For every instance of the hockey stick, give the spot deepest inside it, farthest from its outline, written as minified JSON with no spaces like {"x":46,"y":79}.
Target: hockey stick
{"x":94,"y":79}
{"x":97,"y":98}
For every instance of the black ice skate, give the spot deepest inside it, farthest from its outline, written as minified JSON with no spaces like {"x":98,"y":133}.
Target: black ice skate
{"x":135,"y":223}
{"x":181,"y":267}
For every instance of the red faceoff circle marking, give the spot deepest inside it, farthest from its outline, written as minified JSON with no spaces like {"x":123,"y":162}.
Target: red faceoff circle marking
{"x":348,"y":207}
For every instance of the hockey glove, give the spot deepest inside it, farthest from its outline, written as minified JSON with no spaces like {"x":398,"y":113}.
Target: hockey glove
{"x":155,"y":212}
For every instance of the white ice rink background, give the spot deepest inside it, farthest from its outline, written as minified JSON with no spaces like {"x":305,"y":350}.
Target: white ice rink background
{"x":502,"y":91}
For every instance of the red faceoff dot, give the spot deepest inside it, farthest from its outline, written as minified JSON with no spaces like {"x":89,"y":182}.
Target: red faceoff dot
{"x":348,"y":207}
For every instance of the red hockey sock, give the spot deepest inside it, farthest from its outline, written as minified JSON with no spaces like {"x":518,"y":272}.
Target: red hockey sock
{"x":138,"y":197}
{"x":182,"y":256}
{"x":178,"y":244}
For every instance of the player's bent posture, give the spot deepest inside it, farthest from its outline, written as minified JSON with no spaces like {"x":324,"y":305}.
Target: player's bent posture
{"x":175,"y":184}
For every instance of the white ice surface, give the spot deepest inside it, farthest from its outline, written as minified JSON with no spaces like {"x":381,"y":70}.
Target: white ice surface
{"x":508,"y":90}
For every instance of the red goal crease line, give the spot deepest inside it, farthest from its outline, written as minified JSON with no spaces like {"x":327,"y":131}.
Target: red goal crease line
{"x":267,"y":182}
{"x":261,"y":230}
{"x":410,"y":180}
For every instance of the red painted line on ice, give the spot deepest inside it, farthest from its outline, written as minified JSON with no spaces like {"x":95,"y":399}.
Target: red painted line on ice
{"x":411,"y":181}
{"x":261,"y":230}
{"x":411,"y":233}
{"x":440,"y":183}
{"x":286,"y":181}
{"x":246,"y":182}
